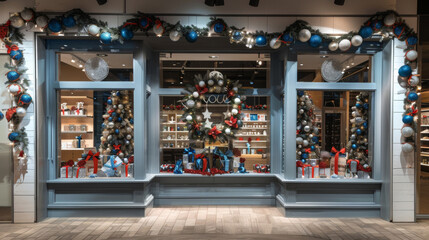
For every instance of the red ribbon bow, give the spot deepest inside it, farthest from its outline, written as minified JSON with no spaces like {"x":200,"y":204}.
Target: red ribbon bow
{"x":214,"y":132}
{"x":232,"y":122}
{"x":117,"y":148}
{"x":413,"y":112}
{"x":94,"y":159}
{"x":9,"y":113}
{"x":308,"y":150}
{"x":201,"y":90}
{"x":12,"y":48}
{"x":4,"y":30}
{"x":158,"y":23}
{"x":196,"y":126}
{"x":337,"y":155}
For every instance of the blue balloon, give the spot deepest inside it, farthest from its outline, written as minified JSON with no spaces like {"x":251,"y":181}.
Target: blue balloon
{"x":127,"y":34}
{"x":365,"y":125}
{"x":110,"y":119}
{"x":1,"y":116}
{"x":411,"y":41}
{"x":303,"y":160}
{"x":300,"y":93}
{"x":54,"y":25}
{"x":109,"y":101}
{"x":103,"y":125}
{"x":119,"y":119}
{"x":106,"y":37}
{"x":69,"y":22}
{"x":118,"y":93}
{"x":315,"y":41}
{"x":25,"y":98}
{"x":358,"y":105}
{"x":376,"y":25}
{"x":412,"y":96}
{"x":239,"y":123}
{"x":404,"y":71}
{"x":366,"y":105}
{"x":407,"y":119}
{"x":12,"y":76}
{"x":354,"y":146}
{"x":191,"y":36}
{"x":16,"y":55}
{"x":144,"y":22}
{"x":365,"y":32}
{"x":260,"y":41}
{"x":315,"y":139}
{"x":287,"y":38}
{"x":131,"y":121}
{"x":304,"y":155}
{"x":237,"y":36}
{"x":113,"y":114}
{"x":218,"y":28}
{"x":313,"y":148}
{"x":398,"y":30}
{"x":117,"y":131}
{"x":13,"y":136}
{"x":358,"y":131}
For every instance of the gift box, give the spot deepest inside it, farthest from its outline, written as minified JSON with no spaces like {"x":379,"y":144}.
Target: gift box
{"x":66,"y":171}
{"x":127,"y":170}
{"x":324,"y":172}
{"x":302,"y":170}
{"x":363,"y":175}
{"x":353,"y":166}
{"x":338,"y":162}
{"x":314,"y":173}
{"x":111,"y":167}
{"x":79,"y":172}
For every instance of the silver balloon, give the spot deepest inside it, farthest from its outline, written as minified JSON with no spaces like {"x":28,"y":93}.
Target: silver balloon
{"x":96,"y":69}
{"x":175,"y":36}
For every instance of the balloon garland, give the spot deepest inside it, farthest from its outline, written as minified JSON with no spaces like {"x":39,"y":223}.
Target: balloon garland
{"x":388,"y":24}
{"x":205,"y":89}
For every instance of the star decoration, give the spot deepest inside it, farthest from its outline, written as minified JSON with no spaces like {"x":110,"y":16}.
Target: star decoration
{"x":207,"y":114}
{"x":226,"y":114}
{"x":208,"y":124}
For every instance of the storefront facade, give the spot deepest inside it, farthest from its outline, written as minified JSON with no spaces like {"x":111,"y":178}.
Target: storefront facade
{"x":145,"y":108}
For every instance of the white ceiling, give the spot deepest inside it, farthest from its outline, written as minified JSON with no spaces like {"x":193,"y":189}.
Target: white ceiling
{"x":314,"y":62}
{"x":214,"y":57}
{"x":115,"y":61}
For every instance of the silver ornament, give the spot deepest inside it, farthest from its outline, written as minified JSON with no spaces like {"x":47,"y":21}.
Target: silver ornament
{"x":274,"y":43}
{"x":407,"y":148}
{"x":129,"y":137}
{"x":190,"y":103}
{"x":16,"y":21}
{"x":299,"y":140}
{"x":42,"y":21}
{"x":305,"y":143}
{"x":333,"y":46}
{"x":407,"y":132}
{"x":307,"y":129}
{"x":175,"y":35}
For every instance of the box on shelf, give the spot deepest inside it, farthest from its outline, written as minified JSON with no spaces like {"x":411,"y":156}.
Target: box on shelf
{"x":66,"y":172}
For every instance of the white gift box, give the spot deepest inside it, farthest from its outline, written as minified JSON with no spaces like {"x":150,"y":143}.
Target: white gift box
{"x":79,"y":172}
{"x":66,"y":172}
{"x":363,"y":175}
{"x":127,"y":170}
{"x":324,"y":172}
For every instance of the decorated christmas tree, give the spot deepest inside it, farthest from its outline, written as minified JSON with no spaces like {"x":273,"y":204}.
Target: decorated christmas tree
{"x":118,"y":133}
{"x":357,"y":147}
{"x":307,"y":141}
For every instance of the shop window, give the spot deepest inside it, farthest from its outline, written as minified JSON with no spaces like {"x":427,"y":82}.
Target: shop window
{"x":334,"y":68}
{"x":251,"y":70}
{"x":93,"y":66}
{"x":251,"y":142}
{"x":96,"y":133}
{"x":333,"y":134}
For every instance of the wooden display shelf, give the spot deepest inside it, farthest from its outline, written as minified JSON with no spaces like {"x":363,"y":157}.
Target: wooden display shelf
{"x":174,"y":131}
{"x":251,"y":147}
{"x":263,"y":128}
{"x":253,"y":141}
{"x":72,"y":149}
{"x":76,"y":132}
{"x":171,"y":140}
{"x":253,"y":135}
{"x":259,"y":121}
{"x":75,"y":97}
{"x":77,"y":116}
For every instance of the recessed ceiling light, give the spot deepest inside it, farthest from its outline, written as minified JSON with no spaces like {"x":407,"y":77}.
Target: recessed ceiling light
{"x":213,"y":56}
{"x":101,"y":55}
{"x":73,"y":61}
{"x":123,"y":65}
{"x":301,"y":64}
{"x":80,"y":65}
{"x":83,"y":70}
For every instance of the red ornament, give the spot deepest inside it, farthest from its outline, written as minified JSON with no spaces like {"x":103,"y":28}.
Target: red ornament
{"x":214,"y":132}
{"x":232,"y":122}
{"x":201,"y":90}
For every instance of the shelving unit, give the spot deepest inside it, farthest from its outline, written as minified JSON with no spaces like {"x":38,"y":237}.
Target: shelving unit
{"x":173,"y":127}
{"x":67,"y":145}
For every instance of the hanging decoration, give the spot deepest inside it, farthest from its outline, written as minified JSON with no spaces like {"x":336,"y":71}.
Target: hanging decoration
{"x":212,"y":88}
{"x":387,"y":24}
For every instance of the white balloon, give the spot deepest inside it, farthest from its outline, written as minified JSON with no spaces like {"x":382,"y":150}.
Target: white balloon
{"x":305,"y":143}
{"x":93,"y":29}
{"x":110,"y":125}
{"x":228,"y":131}
{"x":235,"y":89}
{"x":16,"y":21}
{"x":175,"y":36}
{"x":304,"y":122}
{"x":42,"y":21}
{"x":345,"y":45}
{"x":158,"y":30}
{"x":15,"y":89}
{"x":129,"y":137}
{"x":237,"y":100}
{"x":407,"y":132}
{"x":414,"y":81}
{"x":234,"y":111}
{"x":190,"y":103}
{"x":301,"y":111}
{"x":407,"y":148}
{"x":189,"y":118}
{"x":27,"y":14}
{"x":307,"y":128}
{"x":357,"y":40}
{"x":20,"y":111}
{"x":210,"y":82}
{"x":299,"y":140}
{"x":202,"y":84}
{"x":274,"y":43}
{"x":304,"y":35}
{"x":389,"y":19}
{"x":333,"y":46}
{"x":411,"y":55}
{"x":195,"y":94}
{"x":220,"y":82}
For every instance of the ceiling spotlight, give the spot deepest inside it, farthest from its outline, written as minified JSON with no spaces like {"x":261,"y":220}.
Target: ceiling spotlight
{"x":339,"y":2}
{"x":254,"y":3}
{"x":101,"y":2}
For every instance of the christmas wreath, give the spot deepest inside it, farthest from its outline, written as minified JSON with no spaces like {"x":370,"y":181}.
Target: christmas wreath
{"x":212,"y":88}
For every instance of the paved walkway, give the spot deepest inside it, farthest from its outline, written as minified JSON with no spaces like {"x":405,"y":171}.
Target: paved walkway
{"x":215,"y":223}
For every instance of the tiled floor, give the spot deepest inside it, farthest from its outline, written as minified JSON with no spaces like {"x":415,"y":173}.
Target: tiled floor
{"x":214,"y":223}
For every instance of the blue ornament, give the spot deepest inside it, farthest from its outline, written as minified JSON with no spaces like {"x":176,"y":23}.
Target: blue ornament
{"x":13,"y":76}
{"x":287,"y":38}
{"x":113,"y":114}
{"x":118,"y":93}
{"x":237,"y":36}
{"x":315,"y":139}
{"x":117,"y":131}
{"x":54,"y":25}
{"x":1,"y":116}
{"x":365,"y":105}
{"x":25,"y":98}
{"x":103,"y":126}
{"x":69,"y":22}
{"x":411,"y":41}
{"x":412,"y":96}
{"x":16,"y":55}
{"x":192,"y":36}
{"x":358,"y":105}
{"x":304,"y":155}
{"x":300,"y":93}
{"x":119,"y":119}
{"x":315,"y":41}
{"x":398,"y":30}
{"x":131,"y":121}
{"x":377,"y":25}
{"x":365,"y":32}
{"x":407,"y":119}
{"x":144,"y":22}
{"x":106,"y":37}
{"x":110,"y":119}
{"x":127,"y":34}
{"x":13,"y":136}
{"x":218,"y":27}
{"x":404,"y":71}
{"x":313,"y":148}
{"x":354,"y":146}
{"x":358,"y":131}
{"x":260,"y":41}
{"x":365,"y":125}
{"x":239,"y":123}
{"x":303,"y":160}
{"x":109,"y":101}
